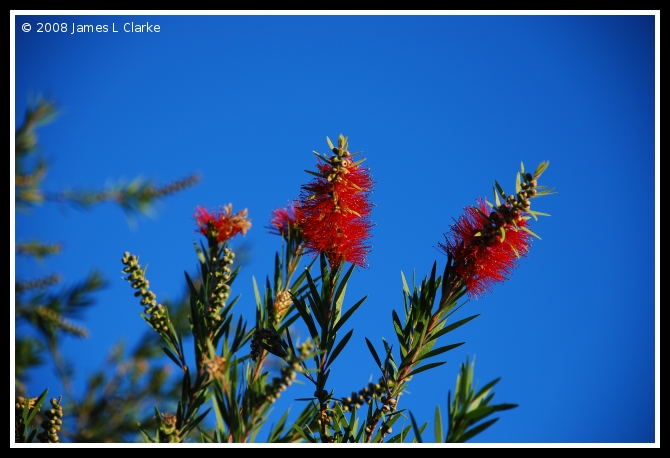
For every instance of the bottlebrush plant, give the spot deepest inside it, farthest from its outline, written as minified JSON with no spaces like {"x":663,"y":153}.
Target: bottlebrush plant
{"x":322,"y":236}
{"x":330,"y":222}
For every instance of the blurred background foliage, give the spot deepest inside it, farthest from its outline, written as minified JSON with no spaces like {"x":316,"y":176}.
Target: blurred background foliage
{"x":129,"y":382}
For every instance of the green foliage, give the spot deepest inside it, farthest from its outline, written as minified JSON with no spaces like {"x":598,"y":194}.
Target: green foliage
{"x":227,"y":377}
{"x":115,"y":396}
{"x":471,"y":406}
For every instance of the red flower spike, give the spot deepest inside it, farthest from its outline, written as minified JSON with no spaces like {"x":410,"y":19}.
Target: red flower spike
{"x":481,"y":259}
{"x":222,"y":224}
{"x":284,"y":219}
{"x":335,"y":211}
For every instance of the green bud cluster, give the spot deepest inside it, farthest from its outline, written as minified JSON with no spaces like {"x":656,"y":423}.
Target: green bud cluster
{"x":221,"y":289}
{"x":156,"y":313}
{"x":527,"y":192}
{"x":52,"y":424}
{"x":168,"y":428}
{"x":364,"y":396}
{"x":510,"y":213}
{"x":288,"y":372}
{"x":340,"y":162}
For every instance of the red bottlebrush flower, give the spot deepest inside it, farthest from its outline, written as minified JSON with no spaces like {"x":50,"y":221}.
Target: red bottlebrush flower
{"x":284,"y":219}
{"x":481,"y":257}
{"x":335,"y":210}
{"x":221,"y":223}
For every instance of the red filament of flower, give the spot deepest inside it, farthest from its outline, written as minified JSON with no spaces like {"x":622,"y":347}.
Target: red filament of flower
{"x":481,"y":259}
{"x":284,"y":219}
{"x":334,"y":215}
{"x":222,"y":223}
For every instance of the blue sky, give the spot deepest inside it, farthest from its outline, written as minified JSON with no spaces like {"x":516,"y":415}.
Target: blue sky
{"x":441,"y":104}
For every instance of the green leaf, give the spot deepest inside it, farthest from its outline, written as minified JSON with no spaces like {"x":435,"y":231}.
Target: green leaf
{"x":425,"y":368}
{"x":195,"y":294}
{"x":315,"y":301}
{"x":29,"y":414}
{"x":306,"y":317}
{"x":486,"y":388}
{"x":374,"y":354}
{"x":405,"y":288}
{"x":541,"y":168}
{"x":476,"y":430}
{"x":495,"y":195}
{"x":304,"y":434}
{"x":400,"y":437}
{"x":530,"y":232}
{"x":201,"y":256}
{"x":339,"y":294}
{"x":438,"y":351}
{"x":171,"y":356}
{"x":415,"y":427}
{"x":453,"y":326}
{"x":338,"y":348}
{"x":316,"y":174}
{"x":438,"y":425}
{"x":501,"y":407}
{"x":147,"y":438}
{"x":278,"y":271}
{"x":195,"y":422}
{"x":348,"y":314}
{"x":257,"y":295}
{"x":538,"y":213}
{"x":277,"y":430}
{"x":500,"y":190}
{"x":518,"y":183}
{"x":477,"y":414}
{"x":397,"y":325}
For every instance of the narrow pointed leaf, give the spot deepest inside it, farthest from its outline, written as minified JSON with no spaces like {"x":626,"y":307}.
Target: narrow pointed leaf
{"x":425,"y":368}
{"x":195,"y":422}
{"x":147,"y":438}
{"x":171,"y":356}
{"x":438,"y":351}
{"x":306,"y":317}
{"x":404,"y":284}
{"x":27,"y":414}
{"x":438,"y":425}
{"x":348,"y":314}
{"x":374,"y":354}
{"x":415,"y":427}
{"x":304,"y":434}
{"x":339,"y":347}
{"x":257,"y":294}
{"x":343,"y":283}
{"x":453,"y":326}
{"x":525,"y":228}
{"x":476,"y":430}
{"x":518,"y":183}
{"x":500,"y":190}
